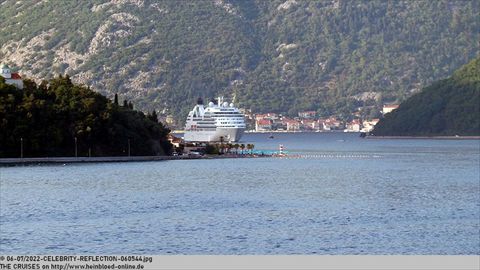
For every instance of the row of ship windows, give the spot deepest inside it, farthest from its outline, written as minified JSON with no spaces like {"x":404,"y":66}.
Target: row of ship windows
{"x":221,"y":122}
{"x":204,"y":129}
{"x":213,"y":120}
{"x":202,"y":119}
{"x":229,"y":116}
{"x":214,"y":128}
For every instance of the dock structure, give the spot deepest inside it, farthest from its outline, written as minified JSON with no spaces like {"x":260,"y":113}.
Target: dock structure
{"x":64,"y":160}
{"x":67,"y":160}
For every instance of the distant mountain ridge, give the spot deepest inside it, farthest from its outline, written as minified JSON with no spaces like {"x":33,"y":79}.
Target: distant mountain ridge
{"x":447,"y":107}
{"x":280,"y":55}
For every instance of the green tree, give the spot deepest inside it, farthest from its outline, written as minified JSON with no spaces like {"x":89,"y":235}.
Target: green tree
{"x":447,"y":107}
{"x":236,"y":146}
{"x":53,"y":118}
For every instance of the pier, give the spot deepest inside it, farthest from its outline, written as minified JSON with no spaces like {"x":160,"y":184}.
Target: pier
{"x":66,"y":160}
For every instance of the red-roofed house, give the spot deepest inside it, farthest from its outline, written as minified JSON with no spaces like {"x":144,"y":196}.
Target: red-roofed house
{"x":260,"y":116}
{"x":291,"y":124}
{"x":11,"y":78}
{"x":263,"y":125}
{"x":175,"y":141}
{"x":332,"y":124}
{"x":355,"y":125}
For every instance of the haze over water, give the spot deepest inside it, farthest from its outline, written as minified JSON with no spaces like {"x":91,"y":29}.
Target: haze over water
{"x":343,"y":195}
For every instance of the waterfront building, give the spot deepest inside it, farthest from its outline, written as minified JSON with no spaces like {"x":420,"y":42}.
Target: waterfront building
{"x":291,"y":124}
{"x":389,"y":108}
{"x":260,"y":116}
{"x":175,"y":141}
{"x":320,"y":123}
{"x":263,"y":125}
{"x":332,"y":124}
{"x":11,"y":78}
{"x":309,"y":124}
{"x":368,"y":125}
{"x":354,"y":126}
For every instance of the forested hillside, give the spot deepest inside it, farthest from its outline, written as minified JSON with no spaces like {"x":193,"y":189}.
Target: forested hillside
{"x":447,"y":107}
{"x":50,"y":117}
{"x":279,"y":55}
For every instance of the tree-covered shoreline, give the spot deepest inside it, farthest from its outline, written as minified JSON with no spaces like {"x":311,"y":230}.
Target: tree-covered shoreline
{"x":448,"y":107}
{"x":58,"y":118}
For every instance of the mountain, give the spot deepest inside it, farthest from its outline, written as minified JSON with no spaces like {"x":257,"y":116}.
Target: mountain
{"x":447,"y":107}
{"x":280,"y":55}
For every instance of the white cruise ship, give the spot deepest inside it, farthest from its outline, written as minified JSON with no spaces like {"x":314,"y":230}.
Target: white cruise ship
{"x":214,"y":123}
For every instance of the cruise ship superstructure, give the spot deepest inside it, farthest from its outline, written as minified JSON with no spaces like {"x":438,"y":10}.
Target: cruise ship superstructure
{"x":216,"y":122}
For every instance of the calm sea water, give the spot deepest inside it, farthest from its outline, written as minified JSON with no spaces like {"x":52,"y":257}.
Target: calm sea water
{"x":344,"y":195}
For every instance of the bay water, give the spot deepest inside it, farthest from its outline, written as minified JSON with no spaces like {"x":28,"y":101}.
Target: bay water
{"x":335,"y":194}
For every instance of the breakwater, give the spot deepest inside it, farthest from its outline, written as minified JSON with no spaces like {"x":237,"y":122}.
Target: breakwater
{"x":65,"y":160}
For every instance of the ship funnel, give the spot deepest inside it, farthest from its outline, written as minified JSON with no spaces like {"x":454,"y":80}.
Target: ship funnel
{"x":200,"y":101}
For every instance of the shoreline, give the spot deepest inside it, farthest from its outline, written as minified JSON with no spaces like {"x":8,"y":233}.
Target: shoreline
{"x":70,"y":160}
{"x":424,"y":137}
{"x":370,"y":136}
{"x":284,"y":131}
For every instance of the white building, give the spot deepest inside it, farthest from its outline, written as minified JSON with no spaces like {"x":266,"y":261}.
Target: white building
{"x":354,"y":126}
{"x":11,"y":78}
{"x":389,"y":108}
{"x":368,"y":125}
{"x":263,"y":125}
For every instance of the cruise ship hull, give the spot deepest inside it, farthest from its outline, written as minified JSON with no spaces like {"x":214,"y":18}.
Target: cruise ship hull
{"x":228,"y":135}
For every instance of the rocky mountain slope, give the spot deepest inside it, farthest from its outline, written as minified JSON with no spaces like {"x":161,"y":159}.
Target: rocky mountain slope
{"x":279,"y":55}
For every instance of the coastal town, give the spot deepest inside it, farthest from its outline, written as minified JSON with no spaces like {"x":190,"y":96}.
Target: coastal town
{"x":309,"y":121}
{"x":306,"y":121}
